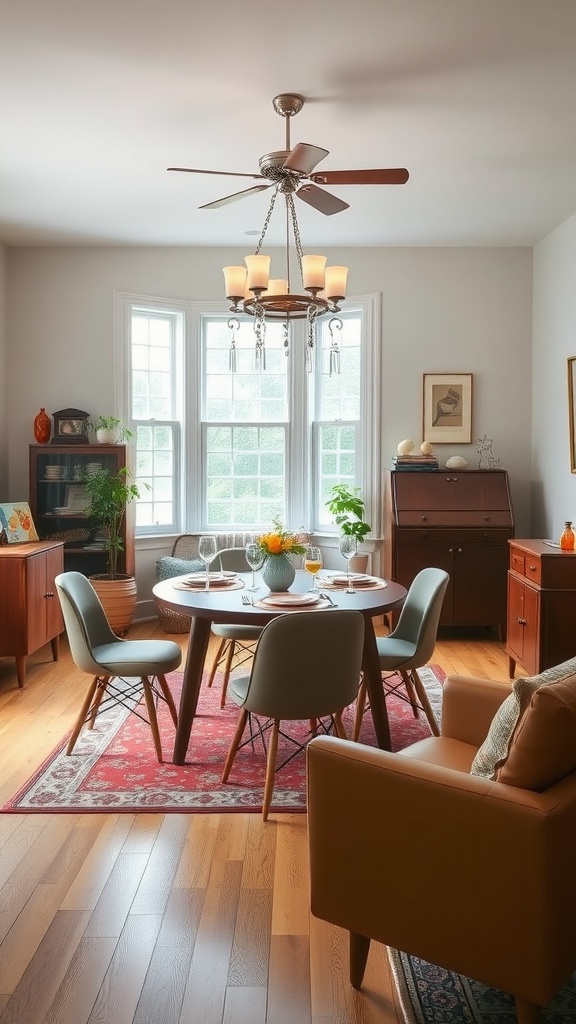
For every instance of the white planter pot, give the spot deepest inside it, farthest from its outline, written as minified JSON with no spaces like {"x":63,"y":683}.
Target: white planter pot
{"x":107,"y":436}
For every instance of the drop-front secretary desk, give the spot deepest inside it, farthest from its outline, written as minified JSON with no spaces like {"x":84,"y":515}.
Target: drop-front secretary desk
{"x":460,"y":521}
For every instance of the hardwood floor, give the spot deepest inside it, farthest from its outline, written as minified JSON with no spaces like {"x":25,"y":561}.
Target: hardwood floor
{"x":168,"y":919}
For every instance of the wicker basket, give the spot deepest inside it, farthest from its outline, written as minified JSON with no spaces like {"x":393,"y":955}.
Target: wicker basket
{"x":185,"y":549}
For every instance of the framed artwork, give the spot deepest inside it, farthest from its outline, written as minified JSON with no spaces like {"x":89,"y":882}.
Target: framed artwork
{"x":447,"y":408}
{"x":16,"y":522}
{"x":77,"y":498}
{"x":572,"y":410}
{"x":70,"y":426}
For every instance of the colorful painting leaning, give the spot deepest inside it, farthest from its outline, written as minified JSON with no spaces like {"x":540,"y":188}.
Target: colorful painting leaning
{"x":16,"y":522}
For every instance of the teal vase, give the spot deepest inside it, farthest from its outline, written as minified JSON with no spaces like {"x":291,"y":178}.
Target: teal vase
{"x":278,"y":573}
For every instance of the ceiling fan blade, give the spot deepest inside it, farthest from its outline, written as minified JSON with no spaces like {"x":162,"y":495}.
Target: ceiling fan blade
{"x":303,"y":158}
{"x":382,"y":176}
{"x":234,"y":197}
{"x":198,"y":170}
{"x":321,"y":200}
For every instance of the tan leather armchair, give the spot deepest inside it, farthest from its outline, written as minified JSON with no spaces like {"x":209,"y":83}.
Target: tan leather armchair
{"x":475,"y":876}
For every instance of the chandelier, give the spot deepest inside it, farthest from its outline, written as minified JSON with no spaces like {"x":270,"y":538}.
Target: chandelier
{"x":251,"y":290}
{"x":254,"y":293}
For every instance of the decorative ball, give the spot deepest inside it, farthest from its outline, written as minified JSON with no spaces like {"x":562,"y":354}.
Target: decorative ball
{"x":456,"y":462}
{"x":426,"y":448}
{"x":405,"y":447}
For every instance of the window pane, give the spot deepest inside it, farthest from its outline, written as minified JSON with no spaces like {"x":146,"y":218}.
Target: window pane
{"x":244,"y":395}
{"x":246,"y":466}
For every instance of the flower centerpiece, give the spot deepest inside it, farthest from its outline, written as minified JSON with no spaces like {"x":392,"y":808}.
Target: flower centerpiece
{"x":278,"y":572}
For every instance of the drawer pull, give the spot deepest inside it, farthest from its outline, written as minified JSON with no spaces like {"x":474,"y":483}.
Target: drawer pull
{"x":521,"y":622}
{"x":532,"y":568}
{"x":486,"y":519}
{"x":424,"y":519}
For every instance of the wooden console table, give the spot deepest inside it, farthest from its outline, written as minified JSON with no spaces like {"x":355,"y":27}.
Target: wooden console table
{"x":30,"y":613}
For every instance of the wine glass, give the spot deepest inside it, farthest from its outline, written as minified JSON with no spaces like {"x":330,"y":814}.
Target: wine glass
{"x":313,"y":563}
{"x":255,"y":557}
{"x":348,"y":548}
{"x":207,"y":552}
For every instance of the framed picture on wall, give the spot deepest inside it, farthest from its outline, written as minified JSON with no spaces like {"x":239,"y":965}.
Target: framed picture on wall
{"x":447,"y":408}
{"x":572,"y":410}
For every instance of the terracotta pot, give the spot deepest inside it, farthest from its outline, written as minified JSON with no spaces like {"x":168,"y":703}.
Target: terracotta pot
{"x":118,"y":598}
{"x":42,"y":427}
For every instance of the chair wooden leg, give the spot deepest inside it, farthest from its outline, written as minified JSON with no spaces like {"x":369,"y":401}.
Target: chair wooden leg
{"x":236,"y":739}
{"x":423,"y":698}
{"x":410,"y":690}
{"x":101,"y":684}
{"x":339,"y":725}
{"x":168,"y":698}
{"x":226,"y":675}
{"x":270,"y":769}
{"x":216,"y":662}
{"x":151,"y":708}
{"x":359,"y":948}
{"x":360,"y":705}
{"x":82,"y":715}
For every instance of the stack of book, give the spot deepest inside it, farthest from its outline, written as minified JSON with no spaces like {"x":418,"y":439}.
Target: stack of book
{"x":415,"y":463}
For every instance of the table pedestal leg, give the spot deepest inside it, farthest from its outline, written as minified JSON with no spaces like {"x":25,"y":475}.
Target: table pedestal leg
{"x":373,"y":680}
{"x":193,"y":670}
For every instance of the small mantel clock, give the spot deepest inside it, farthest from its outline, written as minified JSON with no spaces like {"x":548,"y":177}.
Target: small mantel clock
{"x":70,"y":427}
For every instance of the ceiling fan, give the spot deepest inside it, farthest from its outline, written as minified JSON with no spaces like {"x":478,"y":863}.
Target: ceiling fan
{"x":292,"y":170}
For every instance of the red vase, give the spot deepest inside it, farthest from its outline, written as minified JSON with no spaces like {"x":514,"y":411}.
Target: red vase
{"x":42,"y":427}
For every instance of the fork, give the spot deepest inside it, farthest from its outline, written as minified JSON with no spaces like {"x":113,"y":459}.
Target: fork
{"x":246,"y":599}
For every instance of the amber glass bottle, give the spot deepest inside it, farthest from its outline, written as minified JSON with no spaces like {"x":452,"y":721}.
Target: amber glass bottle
{"x":567,"y":538}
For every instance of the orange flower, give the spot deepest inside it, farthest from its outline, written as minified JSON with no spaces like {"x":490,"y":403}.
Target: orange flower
{"x":280,"y":541}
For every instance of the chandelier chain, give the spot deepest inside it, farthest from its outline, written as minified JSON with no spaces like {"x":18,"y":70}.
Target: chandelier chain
{"x":267,"y":220}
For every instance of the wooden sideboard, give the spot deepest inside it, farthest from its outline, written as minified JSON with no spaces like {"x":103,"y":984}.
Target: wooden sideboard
{"x":457,"y":521}
{"x":541,"y":606}
{"x":30,"y":613}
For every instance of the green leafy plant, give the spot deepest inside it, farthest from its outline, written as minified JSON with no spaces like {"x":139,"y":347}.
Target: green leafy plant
{"x":346,"y":505}
{"x":114,"y":424}
{"x":109,"y":495}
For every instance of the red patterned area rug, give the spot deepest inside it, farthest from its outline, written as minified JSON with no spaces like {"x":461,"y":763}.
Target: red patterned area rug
{"x":113,"y":767}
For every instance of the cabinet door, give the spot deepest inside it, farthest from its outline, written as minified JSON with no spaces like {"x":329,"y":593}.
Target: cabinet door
{"x":54,"y":566}
{"x":36,"y":602}
{"x":411,"y":558}
{"x":480,"y":584}
{"x":515,"y":619}
{"x":531,"y":659}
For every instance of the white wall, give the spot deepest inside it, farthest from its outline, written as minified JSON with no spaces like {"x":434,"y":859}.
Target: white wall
{"x":443,"y":310}
{"x":3,"y":380}
{"x":554,"y":486}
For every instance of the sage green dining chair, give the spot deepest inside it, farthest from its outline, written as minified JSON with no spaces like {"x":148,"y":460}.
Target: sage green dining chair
{"x":306,"y":667}
{"x":123,"y":671}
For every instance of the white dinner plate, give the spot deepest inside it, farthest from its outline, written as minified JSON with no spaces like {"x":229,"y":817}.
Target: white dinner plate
{"x":215,"y":579}
{"x":290,"y":600}
{"x":357,"y":578}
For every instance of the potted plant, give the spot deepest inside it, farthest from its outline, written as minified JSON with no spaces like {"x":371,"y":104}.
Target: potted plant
{"x":347,"y":506}
{"x":109,"y":495}
{"x":110,"y":430}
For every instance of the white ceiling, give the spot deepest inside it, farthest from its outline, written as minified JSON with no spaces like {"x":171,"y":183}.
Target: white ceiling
{"x":477,"y":98}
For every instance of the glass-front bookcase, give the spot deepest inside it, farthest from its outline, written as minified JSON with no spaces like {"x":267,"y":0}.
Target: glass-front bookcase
{"x":60,"y":505}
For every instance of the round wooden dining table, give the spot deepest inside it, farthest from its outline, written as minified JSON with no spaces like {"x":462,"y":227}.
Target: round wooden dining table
{"x":221,"y":604}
